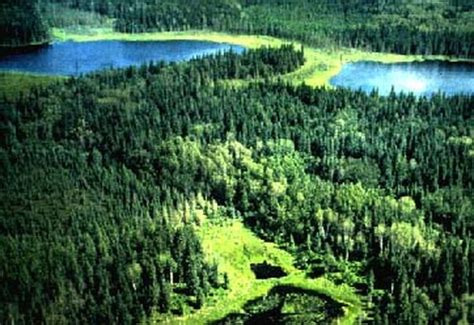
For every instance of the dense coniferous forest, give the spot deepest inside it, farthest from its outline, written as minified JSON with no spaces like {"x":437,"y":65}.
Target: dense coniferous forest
{"x":407,"y":27}
{"x":105,"y":177}
{"x":91,"y":229}
{"x":382,"y":26}
{"x":21,"y":23}
{"x":402,"y":27}
{"x":385,"y":26}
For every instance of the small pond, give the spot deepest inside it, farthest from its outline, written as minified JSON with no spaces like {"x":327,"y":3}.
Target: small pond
{"x":267,"y":271}
{"x":287,"y":305}
{"x":420,"y":78}
{"x":74,"y":58}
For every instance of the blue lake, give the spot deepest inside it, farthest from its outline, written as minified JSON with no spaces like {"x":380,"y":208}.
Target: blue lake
{"x":420,"y":78}
{"x":74,"y":58}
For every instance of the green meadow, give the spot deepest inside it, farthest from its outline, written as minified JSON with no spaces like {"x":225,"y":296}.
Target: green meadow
{"x":235,"y":248}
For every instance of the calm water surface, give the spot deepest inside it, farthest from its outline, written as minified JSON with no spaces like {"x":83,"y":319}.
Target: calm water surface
{"x":74,"y":58}
{"x":421,"y":78}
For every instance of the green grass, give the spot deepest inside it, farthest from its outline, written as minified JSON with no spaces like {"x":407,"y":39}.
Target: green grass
{"x":321,"y":64}
{"x":13,"y":83}
{"x":235,"y":248}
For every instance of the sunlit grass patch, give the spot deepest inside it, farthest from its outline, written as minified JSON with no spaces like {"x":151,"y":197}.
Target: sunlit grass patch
{"x":235,"y":248}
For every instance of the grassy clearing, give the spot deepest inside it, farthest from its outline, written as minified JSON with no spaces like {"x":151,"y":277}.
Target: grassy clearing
{"x":13,"y":83}
{"x":235,"y":248}
{"x":321,"y":64}
{"x":100,"y":34}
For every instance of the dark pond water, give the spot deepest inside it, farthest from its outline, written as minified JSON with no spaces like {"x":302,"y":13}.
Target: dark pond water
{"x":287,"y":305}
{"x":73,"y":58}
{"x":421,"y":78}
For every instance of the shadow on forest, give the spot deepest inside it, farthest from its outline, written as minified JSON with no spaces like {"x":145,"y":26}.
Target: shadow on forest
{"x":286,"y":304}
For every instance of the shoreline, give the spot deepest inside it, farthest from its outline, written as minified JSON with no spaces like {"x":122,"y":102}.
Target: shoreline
{"x":6,"y":50}
{"x":320,"y":66}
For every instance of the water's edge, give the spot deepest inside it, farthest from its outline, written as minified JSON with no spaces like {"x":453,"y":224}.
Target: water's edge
{"x":72,"y":58}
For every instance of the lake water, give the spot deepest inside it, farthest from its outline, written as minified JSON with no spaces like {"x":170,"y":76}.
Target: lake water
{"x":421,"y":78}
{"x":74,"y":58}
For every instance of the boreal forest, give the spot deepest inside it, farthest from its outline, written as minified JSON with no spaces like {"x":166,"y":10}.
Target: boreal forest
{"x":159,"y":193}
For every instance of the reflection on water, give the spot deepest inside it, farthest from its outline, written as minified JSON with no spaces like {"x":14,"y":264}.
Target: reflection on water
{"x":421,"y":78}
{"x":73,"y":58}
